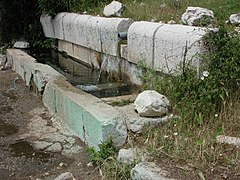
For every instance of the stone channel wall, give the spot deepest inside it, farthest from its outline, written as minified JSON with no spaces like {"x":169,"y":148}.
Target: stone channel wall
{"x":95,"y":41}
{"x":84,"y":115}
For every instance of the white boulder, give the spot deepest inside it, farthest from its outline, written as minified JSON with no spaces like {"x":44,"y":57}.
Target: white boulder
{"x":151,"y":104}
{"x":194,"y":16}
{"x":21,"y":44}
{"x":235,"y":18}
{"x":65,"y":176}
{"x":115,"y":8}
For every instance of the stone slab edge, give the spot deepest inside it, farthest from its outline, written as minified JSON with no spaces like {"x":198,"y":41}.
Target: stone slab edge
{"x":85,"y":115}
{"x":28,"y":68}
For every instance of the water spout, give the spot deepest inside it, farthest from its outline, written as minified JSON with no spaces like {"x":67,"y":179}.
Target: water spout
{"x":104,"y":63}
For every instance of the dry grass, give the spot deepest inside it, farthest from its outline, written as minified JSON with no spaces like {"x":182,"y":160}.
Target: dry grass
{"x":165,"y":10}
{"x":183,"y":144}
{"x":194,"y":147}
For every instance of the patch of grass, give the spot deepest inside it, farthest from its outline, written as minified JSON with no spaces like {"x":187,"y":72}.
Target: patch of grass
{"x":181,"y":143}
{"x":106,"y":150}
{"x":207,"y":106}
{"x":107,"y":162}
{"x":114,"y":170}
{"x":165,"y":10}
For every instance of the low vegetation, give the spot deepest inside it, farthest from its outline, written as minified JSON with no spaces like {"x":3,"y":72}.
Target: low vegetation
{"x":165,"y":10}
{"x":206,"y":105}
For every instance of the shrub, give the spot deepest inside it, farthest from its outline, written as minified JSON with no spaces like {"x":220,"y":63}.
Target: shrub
{"x":197,"y":98}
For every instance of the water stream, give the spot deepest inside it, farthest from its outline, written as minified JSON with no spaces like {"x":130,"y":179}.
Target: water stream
{"x":93,"y":81}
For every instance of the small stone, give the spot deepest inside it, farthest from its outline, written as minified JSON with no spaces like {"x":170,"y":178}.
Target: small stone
{"x":171,"y":22}
{"x":194,"y":16}
{"x":65,"y":176}
{"x":21,"y":45}
{"x":228,"y":140}
{"x":235,"y":18}
{"x":153,"y":20}
{"x":90,"y":164}
{"x":151,"y":104}
{"x":62,"y":164}
{"x":115,"y":8}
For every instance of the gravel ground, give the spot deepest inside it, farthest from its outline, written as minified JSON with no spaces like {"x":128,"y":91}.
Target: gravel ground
{"x":31,"y":143}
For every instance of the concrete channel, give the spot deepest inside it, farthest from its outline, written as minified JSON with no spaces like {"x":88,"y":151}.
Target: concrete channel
{"x":95,"y":41}
{"x":83,"y":114}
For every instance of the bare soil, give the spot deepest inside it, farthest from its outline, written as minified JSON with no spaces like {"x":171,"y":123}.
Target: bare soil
{"x":18,"y":158}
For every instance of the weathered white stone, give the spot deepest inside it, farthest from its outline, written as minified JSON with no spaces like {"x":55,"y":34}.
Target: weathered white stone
{"x":235,"y":18}
{"x":196,"y":16}
{"x":149,"y":171}
{"x":80,"y":31}
{"x":67,"y":47}
{"x":85,"y":115}
{"x":141,"y":42}
{"x":175,"y":44}
{"x":115,"y":8}
{"x":47,"y":24}
{"x":28,"y":68}
{"x":65,"y":176}
{"x":86,"y":55}
{"x":58,"y":25}
{"x":55,"y":147}
{"x":128,"y":155}
{"x":135,"y":123}
{"x":43,"y":73}
{"x":69,"y":26}
{"x":228,"y":140}
{"x":94,"y":33}
{"x":21,"y":44}
{"x":151,"y":104}
{"x":110,"y":27}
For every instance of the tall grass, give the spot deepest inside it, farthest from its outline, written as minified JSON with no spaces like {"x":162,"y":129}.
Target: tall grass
{"x":165,"y":10}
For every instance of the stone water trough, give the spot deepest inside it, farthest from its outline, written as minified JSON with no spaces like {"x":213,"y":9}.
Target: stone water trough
{"x":95,"y":41}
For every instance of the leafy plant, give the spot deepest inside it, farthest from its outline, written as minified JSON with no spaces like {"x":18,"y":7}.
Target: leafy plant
{"x":106,"y":150}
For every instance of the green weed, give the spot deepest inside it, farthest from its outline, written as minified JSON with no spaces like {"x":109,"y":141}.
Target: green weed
{"x":207,"y":105}
{"x":106,"y":150}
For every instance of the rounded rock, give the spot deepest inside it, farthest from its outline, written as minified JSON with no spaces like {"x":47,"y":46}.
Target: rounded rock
{"x":151,"y":104}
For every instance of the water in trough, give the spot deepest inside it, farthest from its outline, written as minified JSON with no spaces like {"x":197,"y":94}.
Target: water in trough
{"x":80,"y":75}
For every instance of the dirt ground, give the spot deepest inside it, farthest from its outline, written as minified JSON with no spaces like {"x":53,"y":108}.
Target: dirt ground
{"x":18,"y":158}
